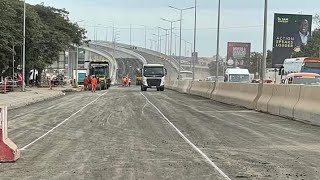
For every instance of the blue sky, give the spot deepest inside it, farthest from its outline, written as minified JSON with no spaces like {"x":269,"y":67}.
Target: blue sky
{"x":240,"y":20}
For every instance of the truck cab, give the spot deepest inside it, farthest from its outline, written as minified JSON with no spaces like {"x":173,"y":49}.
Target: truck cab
{"x":99,"y":68}
{"x":153,"y":76}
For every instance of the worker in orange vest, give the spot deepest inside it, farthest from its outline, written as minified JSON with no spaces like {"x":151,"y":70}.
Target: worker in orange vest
{"x":94,"y":83}
{"x":86,"y":82}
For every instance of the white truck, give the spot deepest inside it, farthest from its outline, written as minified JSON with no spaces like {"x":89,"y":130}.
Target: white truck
{"x":237,"y":75}
{"x":153,"y":76}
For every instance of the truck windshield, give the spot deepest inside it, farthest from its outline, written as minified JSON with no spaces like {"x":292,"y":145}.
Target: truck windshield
{"x":239,"y":77}
{"x":99,"y":70}
{"x":153,"y":71}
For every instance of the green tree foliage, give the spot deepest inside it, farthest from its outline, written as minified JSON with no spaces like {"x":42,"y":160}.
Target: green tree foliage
{"x":312,"y":48}
{"x":48,"y":32}
{"x":213,"y":68}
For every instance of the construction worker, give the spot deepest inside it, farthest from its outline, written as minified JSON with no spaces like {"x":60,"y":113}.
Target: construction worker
{"x":94,"y":83}
{"x":129,"y":82}
{"x":86,"y":82}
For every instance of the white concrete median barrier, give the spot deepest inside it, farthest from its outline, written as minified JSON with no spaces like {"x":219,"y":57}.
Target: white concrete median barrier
{"x":278,"y":94}
{"x":169,"y":84}
{"x":175,"y":85}
{"x":183,"y":86}
{"x":262,"y":104}
{"x":290,"y":100}
{"x":202,"y":88}
{"x":240,"y":94}
{"x":308,"y":107}
{"x":9,"y":151}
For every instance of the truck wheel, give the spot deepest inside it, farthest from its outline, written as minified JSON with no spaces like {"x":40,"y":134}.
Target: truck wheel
{"x":161,"y":88}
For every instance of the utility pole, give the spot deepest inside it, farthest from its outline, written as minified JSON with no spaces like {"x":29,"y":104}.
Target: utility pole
{"x":24,"y":48}
{"x":171,"y":28}
{"x":106,"y":34}
{"x":13,"y":54}
{"x":77,"y":61}
{"x":265,"y":31}
{"x":181,"y":10}
{"x":159,"y":41}
{"x":175,"y":44}
{"x":218,"y":42}
{"x":194,"y":54}
{"x":145,"y":37}
{"x":130,"y":35}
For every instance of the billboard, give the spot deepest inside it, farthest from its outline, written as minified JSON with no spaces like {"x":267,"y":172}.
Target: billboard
{"x":238,"y":54}
{"x":290,"y":31}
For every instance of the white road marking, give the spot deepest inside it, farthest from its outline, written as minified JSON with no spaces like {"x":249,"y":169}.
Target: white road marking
{"x":232,"y":111}
{"x":45,"y":134}
{"x":51,"y":107}
{"x":188,"y":141}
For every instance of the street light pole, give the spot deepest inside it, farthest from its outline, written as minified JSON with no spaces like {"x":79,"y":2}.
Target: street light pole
{"x":264,"y":60}
{"x":194,"y":40}
{"x":145,"y":37}
{"x":171,"y":28}
{"x":181,"y":10}
{"x":171,"y":42}
{"x":13,"y":54}
{"x":77,"y":65}
{"x":166,"y":45}
{"x":179,"y":74}
{"x":218,"y":42}
{"x":130,"y":34}
{"x":106,"y":34}
{"x":24,"y":47}
{"x":175,"y":44}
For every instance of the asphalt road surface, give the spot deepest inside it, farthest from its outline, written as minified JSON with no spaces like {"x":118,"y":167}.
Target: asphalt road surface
{"x":125,"y":134}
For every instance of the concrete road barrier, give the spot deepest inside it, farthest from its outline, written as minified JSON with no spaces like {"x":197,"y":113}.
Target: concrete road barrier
{"x":9,"y":151}
{"x":278,"y":96}
{"x":169,"y":84}
{"x":183,"y":86}
{"x":240,"y":94}
{"x":202,"y":88}
{"x":175,"y":85}
{"x":290,"y":100}
{"x":308,"y":107}
{"x":262,"y":104}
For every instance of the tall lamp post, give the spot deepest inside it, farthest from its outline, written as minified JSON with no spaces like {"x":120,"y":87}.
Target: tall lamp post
{"x":181,"y":11}
{"x":171,"y":28}
{"x":194,"y":54}
{"x":166,"y":41}
{"x":24,"y":47}
{"x":218,"y":42}
{"x":264,"y":60}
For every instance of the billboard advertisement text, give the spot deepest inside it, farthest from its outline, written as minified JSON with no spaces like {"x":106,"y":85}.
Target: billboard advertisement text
{"x":238,"y":54}
{"x":290,"y":32}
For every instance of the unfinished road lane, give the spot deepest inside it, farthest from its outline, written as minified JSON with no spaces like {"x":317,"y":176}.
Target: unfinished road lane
{"x":119,"y":136}
{"x":244,"y":144}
